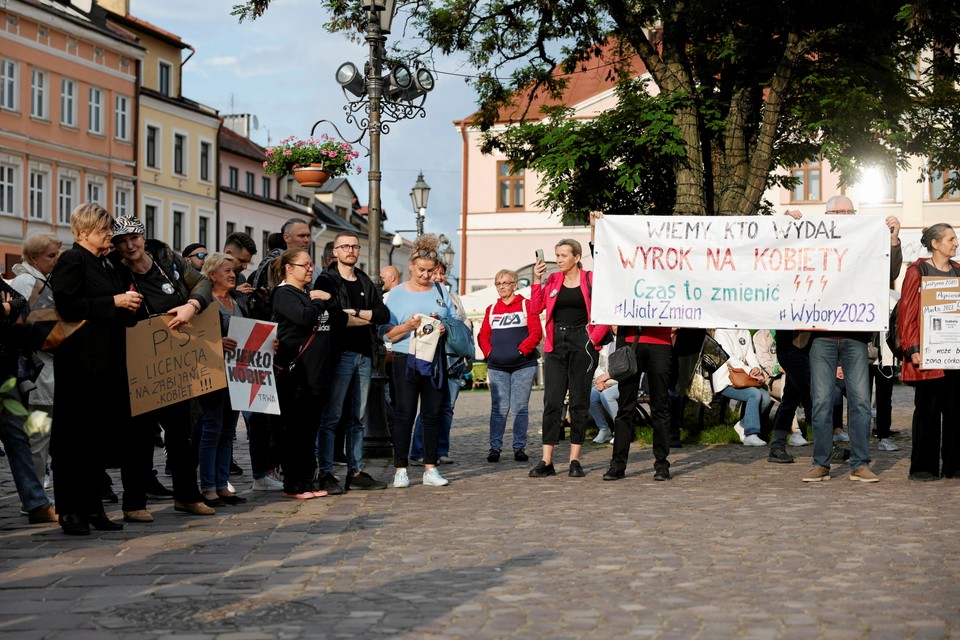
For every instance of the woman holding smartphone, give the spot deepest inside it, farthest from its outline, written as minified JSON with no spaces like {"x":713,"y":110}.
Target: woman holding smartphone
{"x":571,"y":348}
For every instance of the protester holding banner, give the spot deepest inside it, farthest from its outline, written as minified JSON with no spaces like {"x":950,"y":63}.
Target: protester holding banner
{"x":937,"y":391}
{"x":570,"y":350}
{"x":508,"y":339}
{"x":170,"y":286}
{"x":305,"y":359}
{"x":40,"y":253}
{"x":417,"y":308}
{"x":741,"y":378}
{"x":90,"y":367}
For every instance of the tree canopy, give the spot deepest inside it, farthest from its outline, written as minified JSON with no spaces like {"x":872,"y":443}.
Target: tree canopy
{"x":742,"y":88}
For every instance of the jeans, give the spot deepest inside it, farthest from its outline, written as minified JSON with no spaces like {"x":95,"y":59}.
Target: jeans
{"x":409,"y":392}
{"x":569,"y":367}
{"x":603,"y":404}
{"x":758,"y":405}
{"x":450,"y":395}
{"x":17,"y":444}
{"x":510,"y":394}
{"x":215,"y":430}
{"x":351,"y":375}
{"x":796,"y":392}
{"x":654,"y":360}
{"x":826,"y":353}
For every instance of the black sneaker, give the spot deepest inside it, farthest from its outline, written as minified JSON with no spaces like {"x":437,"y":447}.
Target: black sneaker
{"x":363,"y":481}
{"x":613,"y":474}
{"x":235,"y":469}
{"x":840,"y":453}
{"x":576,"y":470}
{"x":661,"y":475}
{"x":108,"y":496}
{"x":779,"y":455}
{"x":520,"y":455}
{"x":493,"y":456}
{"x":157,"y":491}
{"x":328,"y":483}
{"x":542,"y":470}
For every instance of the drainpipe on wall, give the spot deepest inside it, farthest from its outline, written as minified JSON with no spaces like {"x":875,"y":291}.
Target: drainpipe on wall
{"x":463,"y":211}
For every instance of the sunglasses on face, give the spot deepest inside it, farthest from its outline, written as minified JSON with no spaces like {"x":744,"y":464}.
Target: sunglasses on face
{"x":201,"y":255}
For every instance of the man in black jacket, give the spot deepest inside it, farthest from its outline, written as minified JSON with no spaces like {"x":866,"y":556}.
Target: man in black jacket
{"x":364,"y":307}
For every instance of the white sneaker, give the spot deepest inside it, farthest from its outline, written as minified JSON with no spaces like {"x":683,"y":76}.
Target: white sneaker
{"x":739,"y":429}
{"x":432,"y":478}
{"x":603,"y":436}
{"x":886,"y":444}
{"x":48,"y":481}
{"x":230,"y":487}
{"x":753,"y":440}
{"x":400,"y":479}
{"x":841,"y":437}
{"x":266,"y":483}
{"x":797,"y":440}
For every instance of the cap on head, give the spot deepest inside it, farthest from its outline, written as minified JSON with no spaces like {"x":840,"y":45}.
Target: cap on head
{"x":125,"y":225}
{"x":190,"y":248}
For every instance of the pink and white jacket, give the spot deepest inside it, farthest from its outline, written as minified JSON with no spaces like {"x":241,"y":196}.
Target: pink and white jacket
{"x":544,"y":296}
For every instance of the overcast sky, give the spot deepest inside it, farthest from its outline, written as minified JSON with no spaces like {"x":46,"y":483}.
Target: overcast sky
{"x":281,"y":69}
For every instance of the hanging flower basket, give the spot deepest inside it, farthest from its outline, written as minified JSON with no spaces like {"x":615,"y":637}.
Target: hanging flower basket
{"x":311,"y":176}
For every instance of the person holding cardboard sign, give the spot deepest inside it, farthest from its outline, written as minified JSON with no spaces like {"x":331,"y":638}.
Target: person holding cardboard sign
{"x":937,"y":391}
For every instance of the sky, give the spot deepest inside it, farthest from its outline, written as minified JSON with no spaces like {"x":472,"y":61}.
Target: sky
{"x":281,"y":69}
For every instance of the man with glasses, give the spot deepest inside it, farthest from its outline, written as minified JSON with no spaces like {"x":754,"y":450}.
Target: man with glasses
{"x":361,"y":301}
{"x":195,"y":254}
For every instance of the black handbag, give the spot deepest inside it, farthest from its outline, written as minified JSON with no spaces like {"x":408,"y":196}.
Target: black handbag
{"x":622,"y":363}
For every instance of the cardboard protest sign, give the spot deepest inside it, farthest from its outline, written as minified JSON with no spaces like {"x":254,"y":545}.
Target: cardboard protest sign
{"x":940,"y":323}
{"x":166,"y":366}
{"x":754,"y":272}
{"x":250,"y":366}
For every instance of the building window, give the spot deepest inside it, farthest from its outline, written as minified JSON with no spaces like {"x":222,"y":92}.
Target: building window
{"x":153,"y":134}
{"x":121,"y":125}
{"x":95,"y":111}
{"x":66,"y":199}
{"x":251,"y":181}
{"x":8,"y":176}
{"x":68,"y":102}
{"x":248,"y":231}
{"x":179,"y":143}
{"x":95,"y":192}
{"x":264,"y":243}
{"x":38,"y":95}
{"x":807,"y":187}
{"x":178,"y":230}
{"x":150,"y":220}
{"x":36,"y":197}
{"x":8,"y":84}
{"x":231,"y":227}
{"x":165,"y":75}
{"x":265,"y":186}
{"x":205,"y":149}
{"x":121,"y":201}
{"x":233,"y":180}
{"x":509,"y":187}
{"x":203,"y":230}
{"x":938,"y":188}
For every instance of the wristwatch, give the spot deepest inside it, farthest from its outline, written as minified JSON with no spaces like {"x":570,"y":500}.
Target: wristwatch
{"x":356,"y":313}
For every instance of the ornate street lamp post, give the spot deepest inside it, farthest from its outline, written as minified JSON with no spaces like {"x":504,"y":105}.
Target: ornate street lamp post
{"x":419,"y":195}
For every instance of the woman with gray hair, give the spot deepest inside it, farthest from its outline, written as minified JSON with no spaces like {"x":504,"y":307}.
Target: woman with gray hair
{"x":40,"y":252}
{"x":90,"y":364}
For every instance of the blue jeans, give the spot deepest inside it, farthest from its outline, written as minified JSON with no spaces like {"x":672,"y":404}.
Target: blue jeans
{"x":350,"y":375}
{"x":606,"y":400}
{"x":758,"y":404}
{"x":826,"y":353}
{"x":510,"y":394}
{"x":17,"y":444}
{"x":450,"y":394}
{"x":216,"y":428}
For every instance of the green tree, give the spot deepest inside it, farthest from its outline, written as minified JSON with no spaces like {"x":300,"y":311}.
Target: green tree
{"x":743,"y":87}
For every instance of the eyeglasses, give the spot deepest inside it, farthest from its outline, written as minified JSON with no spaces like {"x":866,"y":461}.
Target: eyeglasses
{"x":306,"y":265}
{"x":506,"y":284}
{"x":348,"y":247}
{"x":201,"y":255}
{"x":843,"y":212}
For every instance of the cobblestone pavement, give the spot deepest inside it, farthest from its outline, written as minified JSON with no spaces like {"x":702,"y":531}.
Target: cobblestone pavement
{"x":732,"y":547}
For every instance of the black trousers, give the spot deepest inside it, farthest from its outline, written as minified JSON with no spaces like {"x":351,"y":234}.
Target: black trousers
{"x":569,"y":367}
{"x":935,"y":424}
{"x":263,"y":431}
{"x":411,"y":388}
{"x":796,"y":393}
{"x":655,"y":361}
{"x":883,"y":378}
{"x":300,"y":409}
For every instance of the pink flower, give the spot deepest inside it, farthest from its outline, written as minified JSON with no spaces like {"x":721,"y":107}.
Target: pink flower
{"x":358,"y":169}
{"x":287,"y":152}
{"x":266,"y":164}
{"x":269,"y":152}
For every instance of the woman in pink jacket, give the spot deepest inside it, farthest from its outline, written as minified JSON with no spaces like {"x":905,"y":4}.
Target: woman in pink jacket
{"x":570,"y":351}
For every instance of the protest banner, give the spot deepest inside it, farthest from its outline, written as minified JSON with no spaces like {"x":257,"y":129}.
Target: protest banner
{"x":754,"y":272}
{"x":166,"y":366}
{"x":940,"y":323}
{"x":250,"y":366}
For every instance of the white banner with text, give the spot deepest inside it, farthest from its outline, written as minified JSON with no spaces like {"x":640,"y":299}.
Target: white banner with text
{"x":755,"y":272}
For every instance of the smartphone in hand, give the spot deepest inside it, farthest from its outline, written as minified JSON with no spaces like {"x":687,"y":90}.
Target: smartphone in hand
{"x":539,"y":255}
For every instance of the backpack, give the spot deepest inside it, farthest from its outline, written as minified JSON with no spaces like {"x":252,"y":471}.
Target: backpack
{"x":45,"y":329}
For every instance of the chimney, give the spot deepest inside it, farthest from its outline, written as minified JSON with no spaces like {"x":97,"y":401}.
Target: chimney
{"x":121,"y":7}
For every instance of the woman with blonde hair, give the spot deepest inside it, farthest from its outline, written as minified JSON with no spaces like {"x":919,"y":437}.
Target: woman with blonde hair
{"x":90,"y":367}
